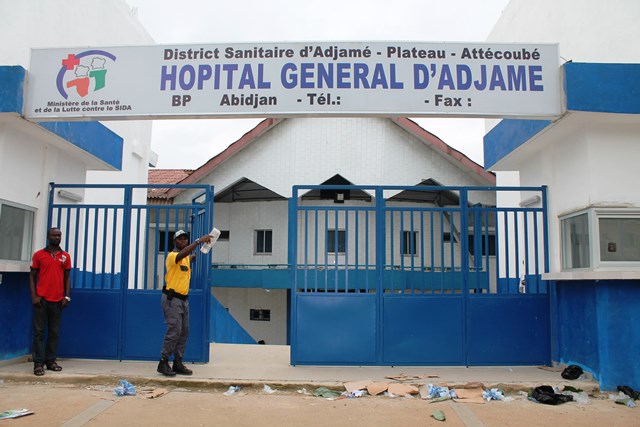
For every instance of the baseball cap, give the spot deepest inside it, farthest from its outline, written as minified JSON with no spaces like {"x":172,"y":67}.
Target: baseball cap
{"x":180,"y":233}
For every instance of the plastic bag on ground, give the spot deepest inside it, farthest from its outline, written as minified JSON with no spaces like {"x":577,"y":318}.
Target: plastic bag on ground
{"x":546,"y":394}
{"x":635,"y":395}
{"x":326,"y":393}
{"x":124,"y":388}
{"x":581,"y":398}
{"x":232,"y":390}
{"x":443,"y":393}
{"x":628,"y":402}
{"x":354,"y":393}
{"x":493,"y":394}
{"x":572,"y":372}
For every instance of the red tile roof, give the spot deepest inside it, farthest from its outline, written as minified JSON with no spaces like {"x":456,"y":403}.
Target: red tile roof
{"x":164,"y":176}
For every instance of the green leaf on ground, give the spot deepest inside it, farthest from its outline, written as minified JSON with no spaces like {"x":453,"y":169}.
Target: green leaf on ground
{"x":439,"y":415}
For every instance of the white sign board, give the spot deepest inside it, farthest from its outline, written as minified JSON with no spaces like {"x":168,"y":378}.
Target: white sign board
{"x":295,"y":79}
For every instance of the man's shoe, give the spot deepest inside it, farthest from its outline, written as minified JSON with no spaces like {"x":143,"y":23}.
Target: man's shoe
{"x":165,"y":369}
{"x":53,"y":366}
{"x":38,"y":370}
{"x":179,"y":368}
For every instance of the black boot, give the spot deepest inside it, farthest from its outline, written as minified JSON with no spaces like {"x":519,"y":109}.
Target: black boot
{"x":179,"y":368}
{"x":165,"y":369}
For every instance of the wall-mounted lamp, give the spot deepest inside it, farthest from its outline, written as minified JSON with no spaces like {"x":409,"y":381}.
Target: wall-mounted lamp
{"x":530,"y":201}
{"x":69,"y":195}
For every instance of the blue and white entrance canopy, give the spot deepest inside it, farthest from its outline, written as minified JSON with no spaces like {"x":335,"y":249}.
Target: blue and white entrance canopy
{"x":588,"y":88}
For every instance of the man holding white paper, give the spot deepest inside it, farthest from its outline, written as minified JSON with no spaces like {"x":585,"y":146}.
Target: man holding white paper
{"x":175,"y":306}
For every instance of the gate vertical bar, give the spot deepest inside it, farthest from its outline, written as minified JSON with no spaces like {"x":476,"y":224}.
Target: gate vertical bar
{"x":545,"y":227}
{"x":50,"y":211}
{"x":554,"y":343}
{"x":380,"y":260}
{"x":293,"y":247}
{"x":208,"y":226}
{"x":126,"y":250}
{"x":464,"y":264}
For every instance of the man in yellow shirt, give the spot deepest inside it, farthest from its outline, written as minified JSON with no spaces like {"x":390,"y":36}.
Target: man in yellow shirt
{"x":175,"y":305}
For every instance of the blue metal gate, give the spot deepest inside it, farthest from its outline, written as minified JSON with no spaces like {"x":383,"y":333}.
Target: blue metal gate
{"x":422,"y":275}
{"x":118,"y":246}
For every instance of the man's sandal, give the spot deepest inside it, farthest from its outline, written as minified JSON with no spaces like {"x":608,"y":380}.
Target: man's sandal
{"x":38,"y":370}
{"x":53,"y":366}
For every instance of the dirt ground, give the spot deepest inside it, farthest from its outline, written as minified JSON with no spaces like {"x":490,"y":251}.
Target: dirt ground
{"x":79,"y":405}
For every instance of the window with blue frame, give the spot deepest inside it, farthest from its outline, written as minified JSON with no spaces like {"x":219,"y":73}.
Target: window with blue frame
{"x":16,"y":232}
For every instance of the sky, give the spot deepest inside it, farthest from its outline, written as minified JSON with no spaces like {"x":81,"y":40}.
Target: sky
{"x":218,"y":21}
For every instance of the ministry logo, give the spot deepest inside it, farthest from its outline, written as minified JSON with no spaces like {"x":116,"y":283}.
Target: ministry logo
{"x":84,"y":73}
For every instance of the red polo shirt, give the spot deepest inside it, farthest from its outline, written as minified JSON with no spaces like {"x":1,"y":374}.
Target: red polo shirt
{"x":51,"y":268}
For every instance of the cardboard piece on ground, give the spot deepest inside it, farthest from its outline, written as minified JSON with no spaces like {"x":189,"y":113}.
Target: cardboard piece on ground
{"x":356,"y":385}
{"x":376,"y":388}
{"x":424,"y":391}
{"x":154,"y":393}
{"x":469,"y":395}
{"x":402,"y":389}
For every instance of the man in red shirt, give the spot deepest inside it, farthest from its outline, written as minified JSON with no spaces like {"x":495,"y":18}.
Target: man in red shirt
{"x":49,"y":281}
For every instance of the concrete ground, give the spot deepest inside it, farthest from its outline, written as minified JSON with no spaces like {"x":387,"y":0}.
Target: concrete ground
{"x":232,"y":364}
{"x":82,"y":394}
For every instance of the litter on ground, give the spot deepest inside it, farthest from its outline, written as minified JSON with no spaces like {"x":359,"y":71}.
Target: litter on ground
{"x":14,"y":413}
{"x":153,"y":394}
{"x":124,"y":388}
{"x":232,"y":390}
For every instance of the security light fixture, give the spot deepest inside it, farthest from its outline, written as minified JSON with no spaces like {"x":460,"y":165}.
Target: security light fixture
{"x":530,"y":201}
{"x":69,"y":195}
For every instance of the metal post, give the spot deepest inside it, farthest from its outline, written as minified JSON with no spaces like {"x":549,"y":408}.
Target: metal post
{"x":380,"y":261}
{"x":124,"y":275}
{"x":292,"y":253}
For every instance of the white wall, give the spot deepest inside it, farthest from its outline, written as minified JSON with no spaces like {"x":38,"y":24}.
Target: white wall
{"x":239,"y":301}
{"x":586,"y":30}
{"x":614,"y":152}
{"x":241,"y":219}
{"x":588,"y":159}
{"x":69,"y":23}
{"x":30,"y":158}
{"x":365,"y":151}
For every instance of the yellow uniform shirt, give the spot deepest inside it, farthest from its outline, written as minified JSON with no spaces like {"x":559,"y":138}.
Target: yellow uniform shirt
{"x":178,"y":274}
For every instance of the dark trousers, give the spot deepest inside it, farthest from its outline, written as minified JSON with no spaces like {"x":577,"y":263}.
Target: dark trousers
{"x":46,"y":318}
{"x":176,"y":315}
